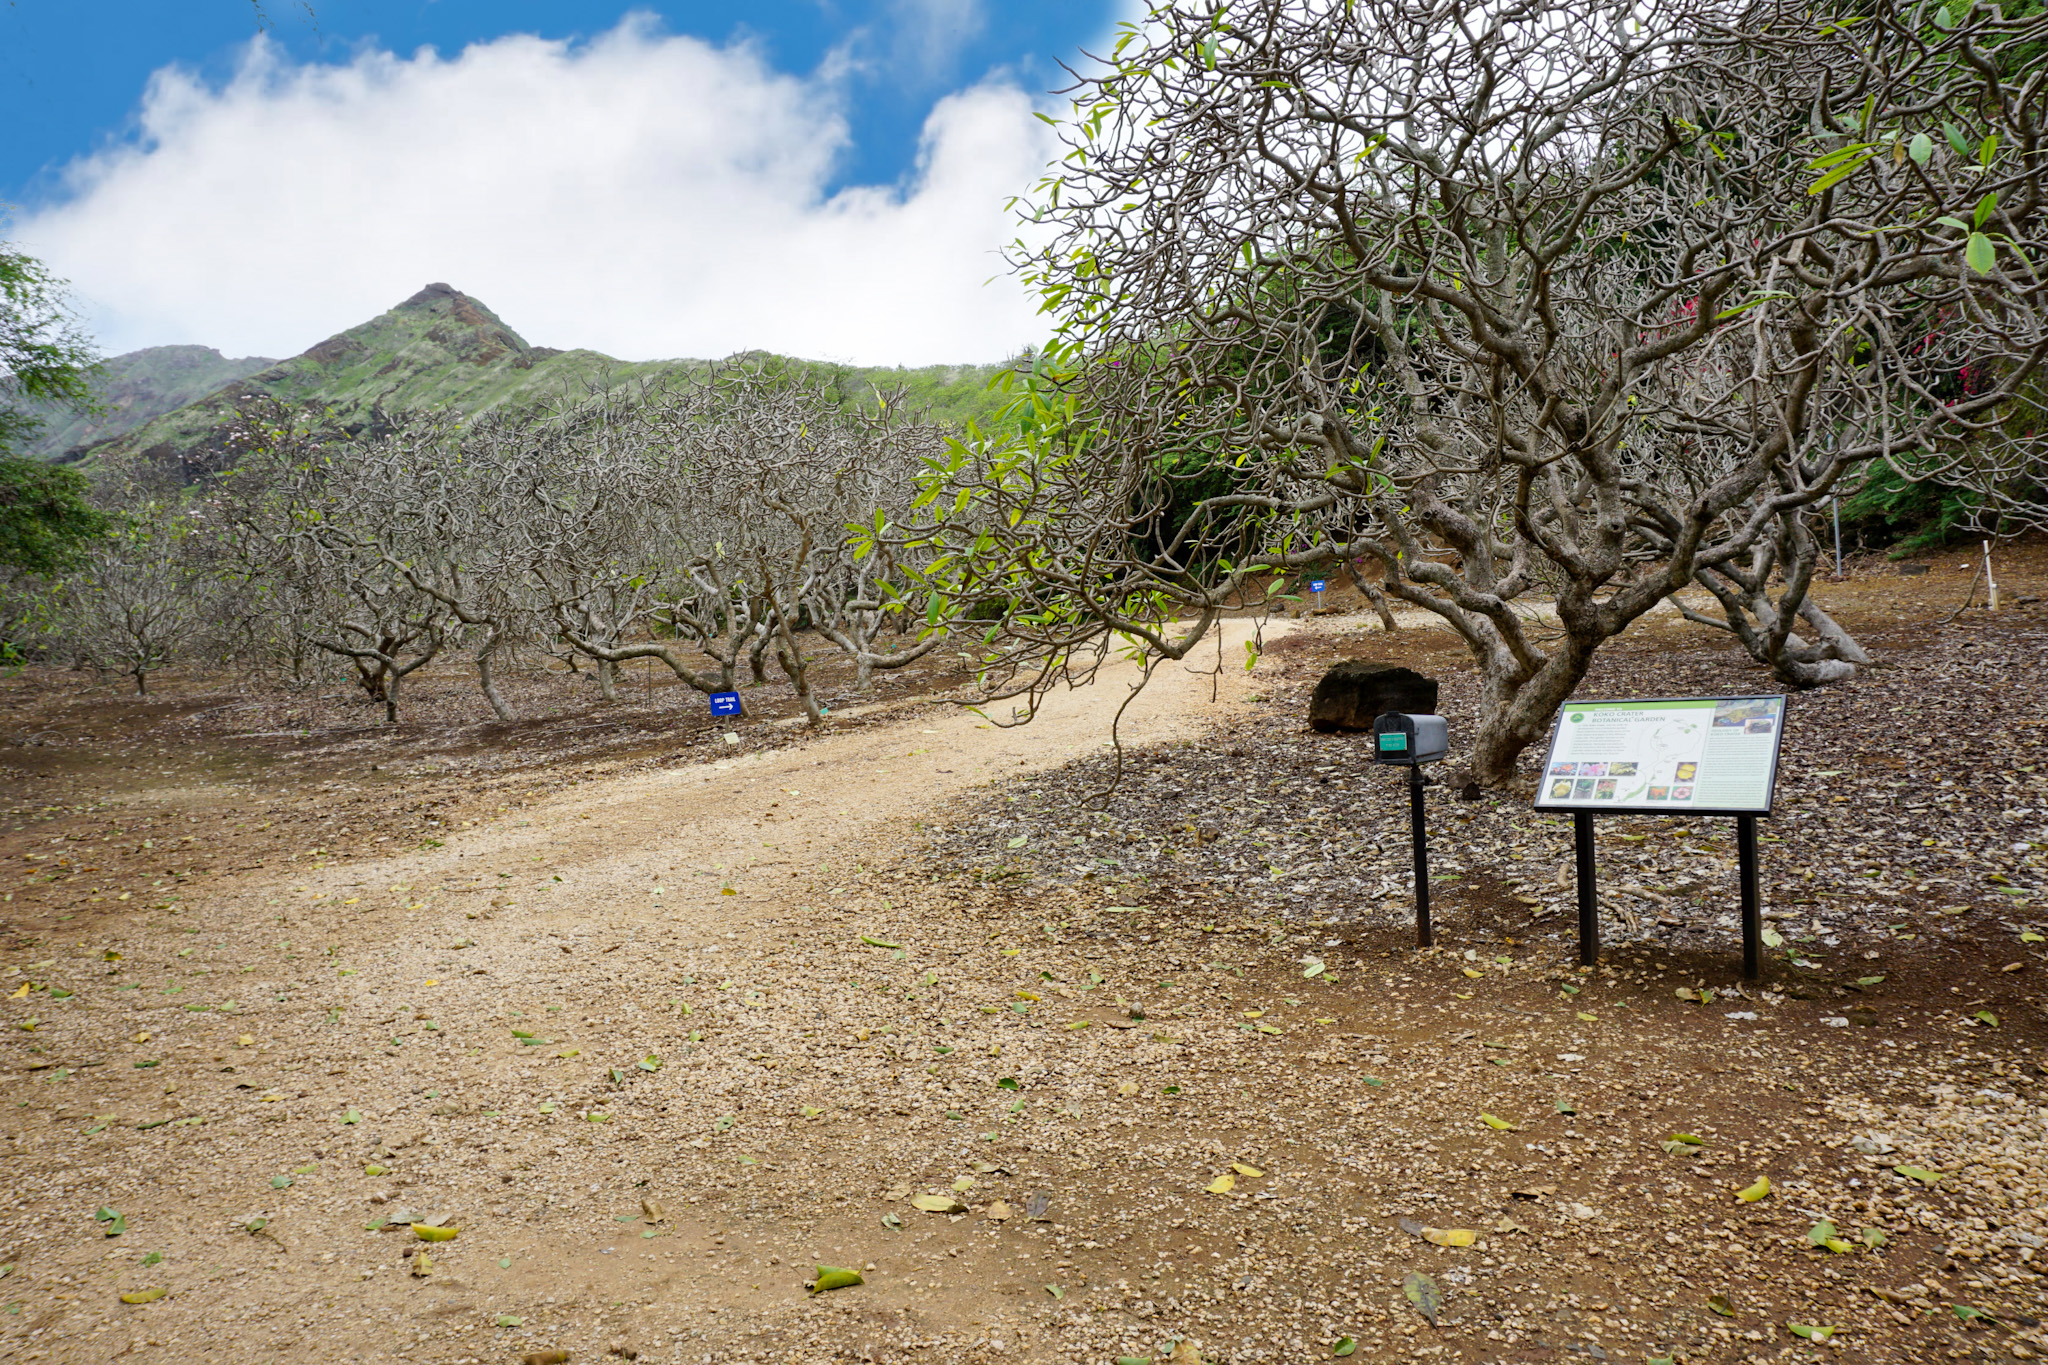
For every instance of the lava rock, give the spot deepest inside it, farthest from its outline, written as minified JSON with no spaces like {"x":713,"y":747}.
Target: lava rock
{"x":1356,"y":692}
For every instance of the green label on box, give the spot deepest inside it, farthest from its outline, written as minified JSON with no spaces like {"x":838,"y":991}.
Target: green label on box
{"x":1393,"y":741}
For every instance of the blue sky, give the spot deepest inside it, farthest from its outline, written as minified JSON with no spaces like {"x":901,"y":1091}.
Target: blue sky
{"x":855,"y":128}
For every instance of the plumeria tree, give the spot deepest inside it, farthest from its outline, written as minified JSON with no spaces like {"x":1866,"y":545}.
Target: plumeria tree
{"x":1550,"y":313}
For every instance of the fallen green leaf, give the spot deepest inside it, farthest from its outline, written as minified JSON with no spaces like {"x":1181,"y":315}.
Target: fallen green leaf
{"x":1800,"y":1329}
{"x":145,"y":1295}
{"x":1498,"y":1124}
{"x":878,"y":942}
{"x":1423,"y":1293}
{"x":1755,"y":1192}
{"x":1919,"y":1173}
{"x":114,"y":1223}
{"x":1344,"y":1346}
{"x":831,"y":1277}
{"x":1719,"y":1304}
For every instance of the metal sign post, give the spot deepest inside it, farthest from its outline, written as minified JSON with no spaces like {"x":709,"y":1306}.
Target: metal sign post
{"x":1589,"y":896}
{"x":1316,"y":586}
{"x":1752,"y":898}
{"x":1425,"y":935}
{"x":1411,"y":741}
{"x":1675,"y":757}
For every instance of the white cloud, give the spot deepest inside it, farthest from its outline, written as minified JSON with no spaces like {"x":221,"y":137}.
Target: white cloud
{"x":643,"y":194}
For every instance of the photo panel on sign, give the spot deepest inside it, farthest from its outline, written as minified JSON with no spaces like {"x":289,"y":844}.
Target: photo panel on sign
{"x":1664,"y":756}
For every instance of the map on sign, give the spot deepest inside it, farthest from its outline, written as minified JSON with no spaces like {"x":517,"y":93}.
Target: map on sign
{"x":1711,"y":755}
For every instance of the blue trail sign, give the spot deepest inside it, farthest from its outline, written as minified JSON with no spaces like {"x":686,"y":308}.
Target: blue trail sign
{"x":726,"y":704}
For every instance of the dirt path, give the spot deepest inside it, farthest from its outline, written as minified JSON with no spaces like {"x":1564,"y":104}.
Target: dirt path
{"x":757,"y":822}
{"x":374,"y":1004}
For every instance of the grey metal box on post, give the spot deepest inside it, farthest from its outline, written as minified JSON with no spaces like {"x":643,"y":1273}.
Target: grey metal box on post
{"x":1407,"y":740}
{"x":1401,"y":739}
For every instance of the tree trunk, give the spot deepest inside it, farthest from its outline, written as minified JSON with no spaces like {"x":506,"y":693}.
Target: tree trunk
{"x":487,"y":679}
{"x":1516,"y":707}
{"x":799,"y":673}
{"x":1373,"y":595}
{"x":1764,"y":627}
{"x":374,"y":681}
{"x":607,"y":680}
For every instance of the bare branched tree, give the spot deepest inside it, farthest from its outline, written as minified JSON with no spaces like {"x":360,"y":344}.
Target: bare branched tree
{"x":1551,"y":312}
{"x":140,"y":593}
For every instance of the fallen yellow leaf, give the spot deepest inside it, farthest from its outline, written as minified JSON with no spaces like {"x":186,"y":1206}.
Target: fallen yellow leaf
{"x":1756,"y":1191}
{"x":1223,"y":1184}
{"x":1244,"y":1170}
{"x":1450,"y":1237}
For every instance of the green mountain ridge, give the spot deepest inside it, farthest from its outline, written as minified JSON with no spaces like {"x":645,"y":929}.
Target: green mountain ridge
{"x":134,"y":389}
{"x":439,"y":348}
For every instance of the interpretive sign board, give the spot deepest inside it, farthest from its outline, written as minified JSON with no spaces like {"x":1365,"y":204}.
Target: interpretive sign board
{"x":1669,"y":756}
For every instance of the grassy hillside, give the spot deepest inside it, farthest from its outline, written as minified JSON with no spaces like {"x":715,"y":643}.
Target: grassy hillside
{"x":137,"y":387}
{"x":441,"y":348}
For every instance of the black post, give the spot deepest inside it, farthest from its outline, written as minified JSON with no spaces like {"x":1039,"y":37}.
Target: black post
{"x":1752,"y":899}
{"x":1589,"y":898}
{"x":1424,"y":936}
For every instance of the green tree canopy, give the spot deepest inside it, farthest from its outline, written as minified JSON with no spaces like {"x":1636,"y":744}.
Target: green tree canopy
{"x":45,"y":361}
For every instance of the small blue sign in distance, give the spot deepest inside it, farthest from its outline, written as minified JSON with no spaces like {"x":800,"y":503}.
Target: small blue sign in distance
{"x":1316,"y":585}
{"x":726,"y":704}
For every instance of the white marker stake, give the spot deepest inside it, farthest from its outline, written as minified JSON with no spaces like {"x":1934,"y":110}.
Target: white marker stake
{"x":1990,"y":582}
